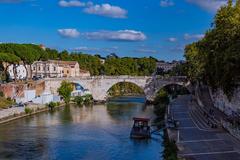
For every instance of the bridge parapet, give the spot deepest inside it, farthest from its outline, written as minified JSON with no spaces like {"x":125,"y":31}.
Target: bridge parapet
{"x":100,"y":77}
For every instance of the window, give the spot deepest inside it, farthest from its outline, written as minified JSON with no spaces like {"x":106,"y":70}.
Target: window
{"x":54,"y":68}
{"x":34,"y":68}
{"x":48,"y":68}
{"x":39,"y":68}
{"x":67,"y":71}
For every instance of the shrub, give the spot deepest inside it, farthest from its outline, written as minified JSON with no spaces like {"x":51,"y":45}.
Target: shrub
{"x":52,"y":105}
{"x":88,"y":99}
{"x":58,"y":103}
{"x":79,"y":100}
{"x":1,"y":94}
{"x":28,"y":110}
{"x":162,"y":97}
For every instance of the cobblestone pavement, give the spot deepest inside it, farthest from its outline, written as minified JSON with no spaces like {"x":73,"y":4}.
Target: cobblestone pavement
{"x":199,"y":144}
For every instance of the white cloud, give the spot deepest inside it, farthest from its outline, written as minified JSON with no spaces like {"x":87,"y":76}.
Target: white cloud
{"x":193,"y":36}
{"x":210,"y":5}
{"x":145,"y":50}
{"x":121,"y":35}
{"x":69,"y":33}
{"x":106,"y":10}
{"x":166,"y":3}
{"x":72,"y":3}
{"x":95,"y":50}
{"x":172,"y":39}
{"x":85,"y":49}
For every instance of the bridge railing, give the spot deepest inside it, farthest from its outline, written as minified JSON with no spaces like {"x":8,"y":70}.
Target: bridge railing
{"x":102,"y":77}
{"x":169,"y":78}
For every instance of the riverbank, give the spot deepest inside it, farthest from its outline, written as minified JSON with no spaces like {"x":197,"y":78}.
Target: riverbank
{"x":161,"y":105}
{"x":11,"y":114}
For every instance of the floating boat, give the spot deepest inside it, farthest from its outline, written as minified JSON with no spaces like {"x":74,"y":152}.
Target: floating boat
{"x":141,"y":128}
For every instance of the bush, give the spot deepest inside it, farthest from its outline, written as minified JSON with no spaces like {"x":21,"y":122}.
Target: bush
{"x":88,"y":99}
{"x":5,"y":103}
{"x":52,"y":105}
{"x":28,"y":110}
{"x":79,"y":100}
{"x":162,"y":97}
{"x":170,"y":148}
{"x":1,"y":94}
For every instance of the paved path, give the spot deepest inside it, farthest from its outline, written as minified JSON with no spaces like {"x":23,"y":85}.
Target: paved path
{"x":199,"y":144}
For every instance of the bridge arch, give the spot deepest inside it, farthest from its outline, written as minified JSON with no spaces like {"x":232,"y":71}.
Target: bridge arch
{"x":134,"y":88}
{"x":169,"y":84}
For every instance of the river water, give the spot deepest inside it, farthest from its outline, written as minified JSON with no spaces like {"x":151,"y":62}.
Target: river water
{"x":100,"y":132}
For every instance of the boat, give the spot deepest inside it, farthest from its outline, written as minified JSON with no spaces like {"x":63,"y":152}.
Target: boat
{"x":141,"y":128}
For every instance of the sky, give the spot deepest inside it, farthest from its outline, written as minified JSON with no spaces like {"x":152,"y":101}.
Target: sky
{"x":129,"y":28}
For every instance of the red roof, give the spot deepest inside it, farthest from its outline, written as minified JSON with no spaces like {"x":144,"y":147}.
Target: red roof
{"x":141,"y":119}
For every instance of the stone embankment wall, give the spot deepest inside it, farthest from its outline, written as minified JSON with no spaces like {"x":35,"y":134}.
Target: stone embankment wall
{"x":221,"y":101}
{"x":14,"y":113}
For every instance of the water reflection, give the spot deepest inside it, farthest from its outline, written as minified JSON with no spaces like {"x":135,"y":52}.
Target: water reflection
{"x":98,"y":132}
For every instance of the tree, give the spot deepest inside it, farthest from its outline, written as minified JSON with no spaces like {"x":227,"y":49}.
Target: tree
{"x":8,"y":59}
{"x":28,"y":53}
{"x":65,"y":91}
{"x":215,"y":59}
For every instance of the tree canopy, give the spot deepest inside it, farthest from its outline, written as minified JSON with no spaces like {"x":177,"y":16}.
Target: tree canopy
{"x":215,"y":59}
{"x":28,"y":53}
{"x":65,"y":91}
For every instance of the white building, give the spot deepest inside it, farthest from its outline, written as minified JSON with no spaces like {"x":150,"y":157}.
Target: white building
{"x":21,"y":72}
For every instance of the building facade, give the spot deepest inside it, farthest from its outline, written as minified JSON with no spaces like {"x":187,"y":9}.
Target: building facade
{"x":55,"y":69}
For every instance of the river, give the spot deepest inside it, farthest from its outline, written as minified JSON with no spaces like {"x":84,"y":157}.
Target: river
{"x":100,"y":132}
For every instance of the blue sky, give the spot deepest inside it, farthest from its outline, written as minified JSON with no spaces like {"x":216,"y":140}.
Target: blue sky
{"x":136,"y":28}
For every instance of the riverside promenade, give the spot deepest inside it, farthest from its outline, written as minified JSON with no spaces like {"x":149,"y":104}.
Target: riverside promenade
{"x":195,"y":139}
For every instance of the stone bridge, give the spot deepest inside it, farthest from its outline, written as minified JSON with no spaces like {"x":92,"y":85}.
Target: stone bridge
{"x":100,"y":85}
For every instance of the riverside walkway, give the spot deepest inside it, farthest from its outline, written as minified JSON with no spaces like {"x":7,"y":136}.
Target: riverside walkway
{"x":197,"y":141}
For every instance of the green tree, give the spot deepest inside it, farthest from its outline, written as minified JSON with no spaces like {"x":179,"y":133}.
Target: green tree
{"x":215,"y":59}
{"x":7,"y":59}
{"x":65,"y":91}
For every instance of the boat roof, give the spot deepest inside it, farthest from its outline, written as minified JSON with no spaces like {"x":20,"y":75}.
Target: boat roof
{"x":141,"y":119}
